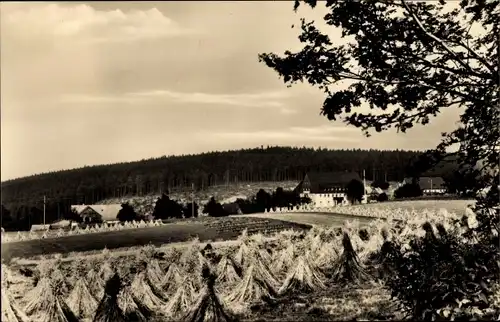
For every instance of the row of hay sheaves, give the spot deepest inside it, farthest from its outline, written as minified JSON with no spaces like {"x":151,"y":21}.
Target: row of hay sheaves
{"x":198,"y":284}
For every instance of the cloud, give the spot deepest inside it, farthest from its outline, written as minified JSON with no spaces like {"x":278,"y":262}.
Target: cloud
{"x":83,"y":23}
{"x":266,"y":99}
{"x":323,"y":130}
{"x":321,"y":134}
{"x":261,"y":100}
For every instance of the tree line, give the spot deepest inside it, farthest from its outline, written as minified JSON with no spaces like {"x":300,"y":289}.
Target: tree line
{"x":24,"y":197}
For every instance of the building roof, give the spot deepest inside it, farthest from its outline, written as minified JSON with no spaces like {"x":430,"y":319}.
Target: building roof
{"x":107,"y":212}
{"x":321,"y":181}
{"x":427,"y":183}
{"x":61,"y":223}
{"x":78,"y":208}
{"x":39,"y":227}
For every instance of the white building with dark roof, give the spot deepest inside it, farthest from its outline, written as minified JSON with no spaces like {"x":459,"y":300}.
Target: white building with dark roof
{"x":327,"y":189}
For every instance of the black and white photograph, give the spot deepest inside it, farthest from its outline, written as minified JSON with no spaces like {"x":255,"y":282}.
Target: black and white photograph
{"x":250,"y":161}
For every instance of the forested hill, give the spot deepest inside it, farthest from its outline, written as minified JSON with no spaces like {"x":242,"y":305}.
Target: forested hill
{"x":91,"y":184}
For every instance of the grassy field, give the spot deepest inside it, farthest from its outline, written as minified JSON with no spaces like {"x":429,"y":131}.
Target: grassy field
{"x":204,"y":228}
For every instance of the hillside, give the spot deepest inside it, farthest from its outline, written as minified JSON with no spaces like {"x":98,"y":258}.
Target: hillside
{"x":145,"y":204}
{"x":24,"y":197}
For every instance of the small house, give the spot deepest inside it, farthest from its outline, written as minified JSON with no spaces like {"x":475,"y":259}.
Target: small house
{"x":98,"y":213}
{"x":432,"y":185}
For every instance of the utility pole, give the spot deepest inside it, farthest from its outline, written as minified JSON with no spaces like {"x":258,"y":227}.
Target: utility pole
{"x":192,"y":200}
{"x":364,"y":181}
{"x":44,"y":201}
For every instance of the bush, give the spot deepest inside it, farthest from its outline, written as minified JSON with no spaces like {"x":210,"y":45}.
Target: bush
{"x":407,"y":191}
{"x":441,"y":277}
{"x":382,"y":197}
{"x":168,"y":208}
{"x":127,"y":213}
{"x":214,"y":209}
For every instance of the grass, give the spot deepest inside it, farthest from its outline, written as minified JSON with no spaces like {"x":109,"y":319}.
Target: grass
{"x":204,"y":228}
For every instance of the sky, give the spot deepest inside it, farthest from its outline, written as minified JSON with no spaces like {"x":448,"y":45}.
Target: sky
{"x":99,"y":83}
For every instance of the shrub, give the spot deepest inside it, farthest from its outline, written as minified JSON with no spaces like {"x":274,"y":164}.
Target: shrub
{"x":407,"y":191}
{"x":441,"y":277}
{"x":127,"y":213}
{"x":214,"y":209}
{"x":382,"y":197}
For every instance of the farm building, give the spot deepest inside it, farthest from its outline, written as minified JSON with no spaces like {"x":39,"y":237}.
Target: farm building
{"x":97,"y":213}
{"x":61,"y":224}
{"x":326,"y":189}
{"x":430,"y":185}
{"x":40,"y":227}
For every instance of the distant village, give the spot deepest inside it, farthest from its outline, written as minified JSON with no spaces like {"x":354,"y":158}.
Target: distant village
{"x":322,"y":189}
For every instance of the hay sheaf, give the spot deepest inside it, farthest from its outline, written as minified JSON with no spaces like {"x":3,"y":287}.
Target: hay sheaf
{"x":142,"y":292}
{"x":284,"y":262}
{"x":252,"y":288}
{"x":96,"y":284}
{"x":109,"y":309}
{"x":241,"y":255}
{"x":227,"y":272}
{"x":106,"y":271}
{"x":209,"y":307}
{"x":172,"y":279}
{"x":326,"y":256}
{"x":81,"y":301}
{"x":302,"y":278}
{"x":132,"y":309}
{"x":182,"y":300}
{"x":45,"y":306}
{"x":348,"y":269}
{"x":10,"y":311}
{"x":154,"y":271}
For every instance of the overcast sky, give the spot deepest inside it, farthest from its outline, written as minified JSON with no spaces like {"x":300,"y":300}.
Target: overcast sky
{"x":85,"y":84}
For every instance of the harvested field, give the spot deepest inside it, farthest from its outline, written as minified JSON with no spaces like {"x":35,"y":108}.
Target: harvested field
{"x":312,"y":218}
{"x":456,"y":206}
{"x":226,"y":228}
{"x":366,"y":212}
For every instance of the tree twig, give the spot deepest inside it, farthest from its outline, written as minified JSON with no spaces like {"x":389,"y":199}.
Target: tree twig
{"x":435,"y":38}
